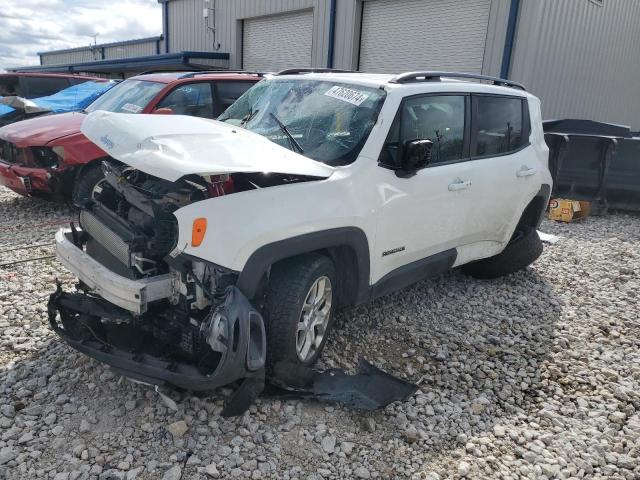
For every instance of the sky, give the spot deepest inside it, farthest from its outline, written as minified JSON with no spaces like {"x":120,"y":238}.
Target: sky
{"x":31,"y":26}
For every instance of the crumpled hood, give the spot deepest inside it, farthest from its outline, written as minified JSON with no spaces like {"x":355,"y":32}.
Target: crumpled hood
{"x":37,"y":132}
{"x":171,"y":146}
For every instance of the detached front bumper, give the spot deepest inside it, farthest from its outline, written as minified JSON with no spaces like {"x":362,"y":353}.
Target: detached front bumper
{"x":132,"y":295}
{"x":233,"y":331}
{"x":247,"y":361}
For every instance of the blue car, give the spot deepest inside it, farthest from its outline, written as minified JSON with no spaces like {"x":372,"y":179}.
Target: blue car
{"x":71,"y":99}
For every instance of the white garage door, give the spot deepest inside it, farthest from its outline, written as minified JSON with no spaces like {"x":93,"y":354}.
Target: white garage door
{"x":403,"y":35}
{"x":278,"y":42}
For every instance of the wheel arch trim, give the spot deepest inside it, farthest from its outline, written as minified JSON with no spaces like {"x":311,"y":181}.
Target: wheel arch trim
{"x":539,"y":204}
{"x":261,"y":260}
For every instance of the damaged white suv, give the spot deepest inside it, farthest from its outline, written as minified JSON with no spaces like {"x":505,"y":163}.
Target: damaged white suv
{"x":217,"y":250}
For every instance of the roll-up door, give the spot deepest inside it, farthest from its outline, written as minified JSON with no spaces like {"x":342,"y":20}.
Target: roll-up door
{"x":277,"y":42}
{"x":402,"y":35}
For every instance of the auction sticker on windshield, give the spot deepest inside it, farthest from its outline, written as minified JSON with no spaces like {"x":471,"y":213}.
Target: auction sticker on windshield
{"x":130,"y":107}
{"x":347,"y":95}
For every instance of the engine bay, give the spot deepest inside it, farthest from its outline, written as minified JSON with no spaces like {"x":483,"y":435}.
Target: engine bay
{"x":128,"y":226}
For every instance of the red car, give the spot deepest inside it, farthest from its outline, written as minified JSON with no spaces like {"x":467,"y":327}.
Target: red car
{"x":49,"y":156}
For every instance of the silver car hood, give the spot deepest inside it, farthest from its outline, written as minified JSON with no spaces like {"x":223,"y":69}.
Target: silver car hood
{"x":171,"y":146}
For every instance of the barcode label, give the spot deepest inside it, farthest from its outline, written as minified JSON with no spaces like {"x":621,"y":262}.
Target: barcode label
{"x":347,"y":95}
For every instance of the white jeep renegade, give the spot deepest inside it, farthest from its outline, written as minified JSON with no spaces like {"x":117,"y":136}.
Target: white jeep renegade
{"x":217,"y":250}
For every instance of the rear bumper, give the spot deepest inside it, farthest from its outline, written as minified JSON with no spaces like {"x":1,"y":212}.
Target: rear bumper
{"x":131,"y":295}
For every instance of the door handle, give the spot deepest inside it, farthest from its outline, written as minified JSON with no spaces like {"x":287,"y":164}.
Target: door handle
{"x":459,"y":185}
{"x":526,"y":172}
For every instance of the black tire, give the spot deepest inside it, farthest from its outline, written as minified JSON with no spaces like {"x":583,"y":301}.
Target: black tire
{"x":523,"y":249}
{"x":86,"y":181}
{"x":288,"y":287}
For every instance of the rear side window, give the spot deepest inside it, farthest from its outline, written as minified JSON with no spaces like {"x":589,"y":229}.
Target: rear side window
{"x":229,"y":92}
{"x":499,"y":125}
{"x":193,"y":99}
{"x":439,"y":118}
{"x":34,"y":87}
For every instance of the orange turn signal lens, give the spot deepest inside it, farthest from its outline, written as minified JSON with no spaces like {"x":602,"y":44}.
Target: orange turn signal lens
{"x":199,"y":229}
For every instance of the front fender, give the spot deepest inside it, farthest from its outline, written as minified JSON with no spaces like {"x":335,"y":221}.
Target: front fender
{"x":241,"y":224}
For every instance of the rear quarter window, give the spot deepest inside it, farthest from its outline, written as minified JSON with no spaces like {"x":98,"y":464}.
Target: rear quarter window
{"x":499,"y":125}
{"x":227,"y":92}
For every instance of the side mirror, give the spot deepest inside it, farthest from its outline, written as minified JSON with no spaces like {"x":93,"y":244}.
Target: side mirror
{"x":416,"y":154}
{"x":163,"y":111}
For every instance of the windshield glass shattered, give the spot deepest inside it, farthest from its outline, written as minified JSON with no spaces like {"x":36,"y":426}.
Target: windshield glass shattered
{"x":130,"y":96}
{"x":322,"y":120}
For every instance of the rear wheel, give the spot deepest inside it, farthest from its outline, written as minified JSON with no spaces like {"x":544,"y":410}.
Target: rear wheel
{"x":89,"y":183}
{"x":522,"y":250}
{"x":299,"y":309}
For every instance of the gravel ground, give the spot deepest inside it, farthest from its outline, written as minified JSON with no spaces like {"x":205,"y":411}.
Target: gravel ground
{"x":533,"y":376}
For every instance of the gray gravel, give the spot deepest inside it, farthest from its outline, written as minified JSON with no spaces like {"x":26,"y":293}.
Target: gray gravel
{"x":533,"y":376}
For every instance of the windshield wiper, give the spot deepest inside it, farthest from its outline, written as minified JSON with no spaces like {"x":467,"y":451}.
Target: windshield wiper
{"x":294,"y":143}
{"x":247,"y":118}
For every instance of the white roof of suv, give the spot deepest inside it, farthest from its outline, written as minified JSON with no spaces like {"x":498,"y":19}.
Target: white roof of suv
{"x":377,"y":80}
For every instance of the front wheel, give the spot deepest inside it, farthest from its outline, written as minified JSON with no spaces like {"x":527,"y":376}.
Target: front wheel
{"x":299,"y":309}
{"x":521,"y":251}
{"x":89,"y":184}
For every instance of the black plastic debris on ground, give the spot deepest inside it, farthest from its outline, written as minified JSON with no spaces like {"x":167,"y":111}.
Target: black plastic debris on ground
{"x":369,"y":389}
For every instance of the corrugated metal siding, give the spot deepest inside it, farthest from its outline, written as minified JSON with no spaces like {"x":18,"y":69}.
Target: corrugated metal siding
{"x":277,"y":42}
{"x":188,"y":28}
{"x":347,"y":34}
{"x":581,"y":59}
{"x":128,"y":51}
{"x":89,"y":54}
{"x":496,"y":34}
{"x":69,"y":57}
{"x":417,"y":35}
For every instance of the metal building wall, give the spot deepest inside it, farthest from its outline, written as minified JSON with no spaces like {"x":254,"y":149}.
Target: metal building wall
{"x":188,"y":28}
{"x":581,"y":58}
{"x":69,"y":56}
{"x":126,"y":49}
{"x":347,"y":34}
{"x":496,"y":34}
{"x":133,"y":50}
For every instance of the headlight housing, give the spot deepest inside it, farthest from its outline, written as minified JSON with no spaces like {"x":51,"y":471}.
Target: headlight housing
{"x":46,"y":157}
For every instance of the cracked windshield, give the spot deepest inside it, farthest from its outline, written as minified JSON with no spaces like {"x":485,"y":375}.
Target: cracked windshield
{"x":325,"y":121}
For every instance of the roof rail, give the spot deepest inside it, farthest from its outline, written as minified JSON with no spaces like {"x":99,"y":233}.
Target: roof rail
{"x":411,"y":77}
{"x":296,"y":71}
{"x":161,"y":70}
{"x":208,"y":72}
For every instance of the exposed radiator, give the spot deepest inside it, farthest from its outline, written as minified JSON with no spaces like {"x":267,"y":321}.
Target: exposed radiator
{"x":106,"y":237}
